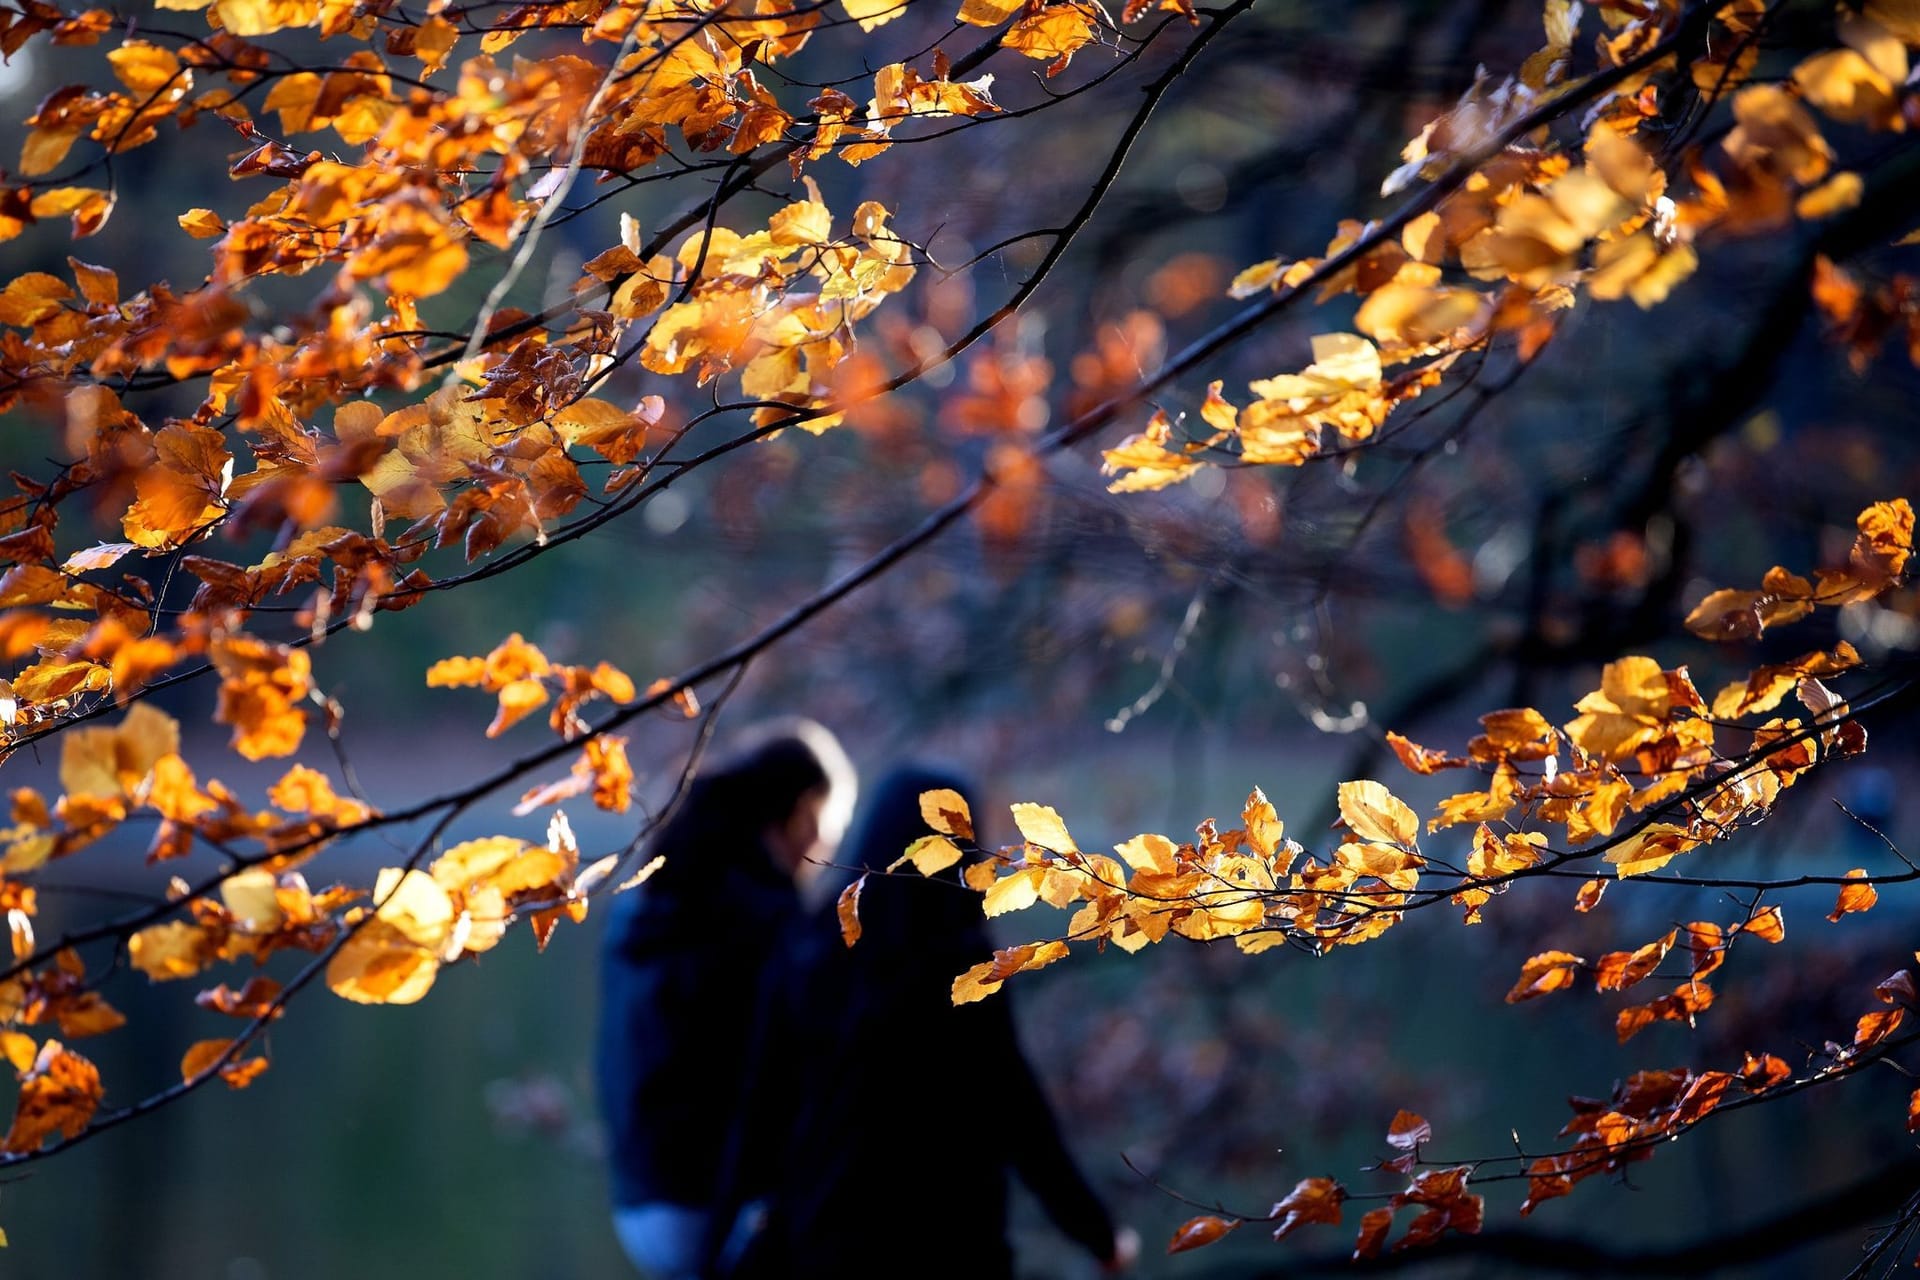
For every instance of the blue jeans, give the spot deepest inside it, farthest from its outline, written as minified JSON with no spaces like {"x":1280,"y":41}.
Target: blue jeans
{"x":661,"y":1238}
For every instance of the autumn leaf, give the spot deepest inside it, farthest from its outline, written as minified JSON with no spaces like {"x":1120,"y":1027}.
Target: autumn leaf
{"x":1768,"y":924}
{"x":1547,"y":972}
{"x":929,"y":855}
{"x":203,"y":1056}
{"x":1053,"y":34}
{"x":58,"y":1096}
{"x":1408,"y":1131}
{"x":1374,"y":813}
{"x":1040,"y":825}
{"x":1618,"y":970}
{"x":1197,"y":1233}
{"x":847,"y":909}
{"x":1854,"y":897}
{"x":379,"y":964}
{"x":946,"y":812}
{"x":1312,"y":1200}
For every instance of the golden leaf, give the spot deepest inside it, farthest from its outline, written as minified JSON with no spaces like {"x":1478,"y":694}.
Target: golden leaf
{"x":929,"y":855}
{"x":380,"y":965}
{"x":1052,"y":35}
{"x":946,"y":811}
{"x":1040,"y":825}
{"x":1374,"y":813}
{"x":172,"y":950}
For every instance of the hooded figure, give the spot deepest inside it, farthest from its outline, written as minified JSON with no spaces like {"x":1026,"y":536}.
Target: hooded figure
{"x":882,"y":1121}
{"x":680,"y":969}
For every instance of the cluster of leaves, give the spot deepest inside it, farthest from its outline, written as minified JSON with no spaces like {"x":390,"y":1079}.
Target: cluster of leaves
{"x":1646,"y":778}
{"x":1503,"y":253}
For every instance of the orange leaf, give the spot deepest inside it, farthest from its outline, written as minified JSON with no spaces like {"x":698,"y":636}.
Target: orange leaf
{"x":1854,"y":897}
{"x":1423,"y":759}
{"x":1768,"y":925}
{"x":1546,"y":972}
{"x":1874,"y":1027}
{"x":1618,"y":970}
{"x":202,"y":1056}
{"x":1589,"y":896}
{"x":1199,"y":1232}
{"x":58,"y":1096}
{"x":848,"y":909}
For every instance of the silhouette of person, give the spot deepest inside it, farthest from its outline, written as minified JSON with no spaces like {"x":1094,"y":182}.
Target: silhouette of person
{"x":882,"y":1122}
{"x":680,"y":969}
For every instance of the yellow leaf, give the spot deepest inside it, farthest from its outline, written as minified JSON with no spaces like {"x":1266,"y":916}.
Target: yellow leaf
{"x":1836,"y":195}
{"x":44,"y":149}
{"x":202,"y":224}
{"x":873,"y":13}
{"x":946,"y":811}
{"x":415,"y":905}
{"x":248,"y":18}
{"x":1150,"y":853}
{"x":172,"y":950}
{"x":1374,"y":813}
{"x":1015,"y":892}
{"x":929,"y":855}
{"x":1649,"y":850}
{"x":1052,"y":35}
{"x":144,"y":68}
{"x":517,"y":699}
{"x":987,"y":13}
{"x":976,"y":983}
{"x":379,"y":965}
{"x":1040,"y":825}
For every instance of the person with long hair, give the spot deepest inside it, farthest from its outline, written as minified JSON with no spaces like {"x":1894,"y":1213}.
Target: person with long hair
{"x":883,"y":1123}
{"x":680,"y":967}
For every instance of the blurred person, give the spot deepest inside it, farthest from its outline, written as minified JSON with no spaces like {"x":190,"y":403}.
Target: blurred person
{"x":882,"y":1122}
{"x":680,"y":968}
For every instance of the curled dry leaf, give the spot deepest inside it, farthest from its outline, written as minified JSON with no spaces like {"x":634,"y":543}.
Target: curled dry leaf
{"x":1854,"y":897}
{"x":847,"y":908}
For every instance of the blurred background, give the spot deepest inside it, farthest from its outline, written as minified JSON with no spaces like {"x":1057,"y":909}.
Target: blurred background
{"x":1138,"y":661}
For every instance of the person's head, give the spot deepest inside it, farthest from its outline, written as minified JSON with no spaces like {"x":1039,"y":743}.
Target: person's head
{"x":788,"y":784}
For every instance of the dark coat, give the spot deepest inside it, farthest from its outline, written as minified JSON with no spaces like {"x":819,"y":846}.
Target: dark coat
{"x":680,"y":968}
{"x":882,"y":1121}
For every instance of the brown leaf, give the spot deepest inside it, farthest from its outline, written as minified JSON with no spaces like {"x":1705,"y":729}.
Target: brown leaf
{"x":58,"y":1096}
{"x":1311,"y":1200}
{"x":1897,"y":988}
{"x":1197,"y":1233}
{"x":1408,"y":1131}
{"x":1374,"y":1226}
{"x":848,"y":909}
